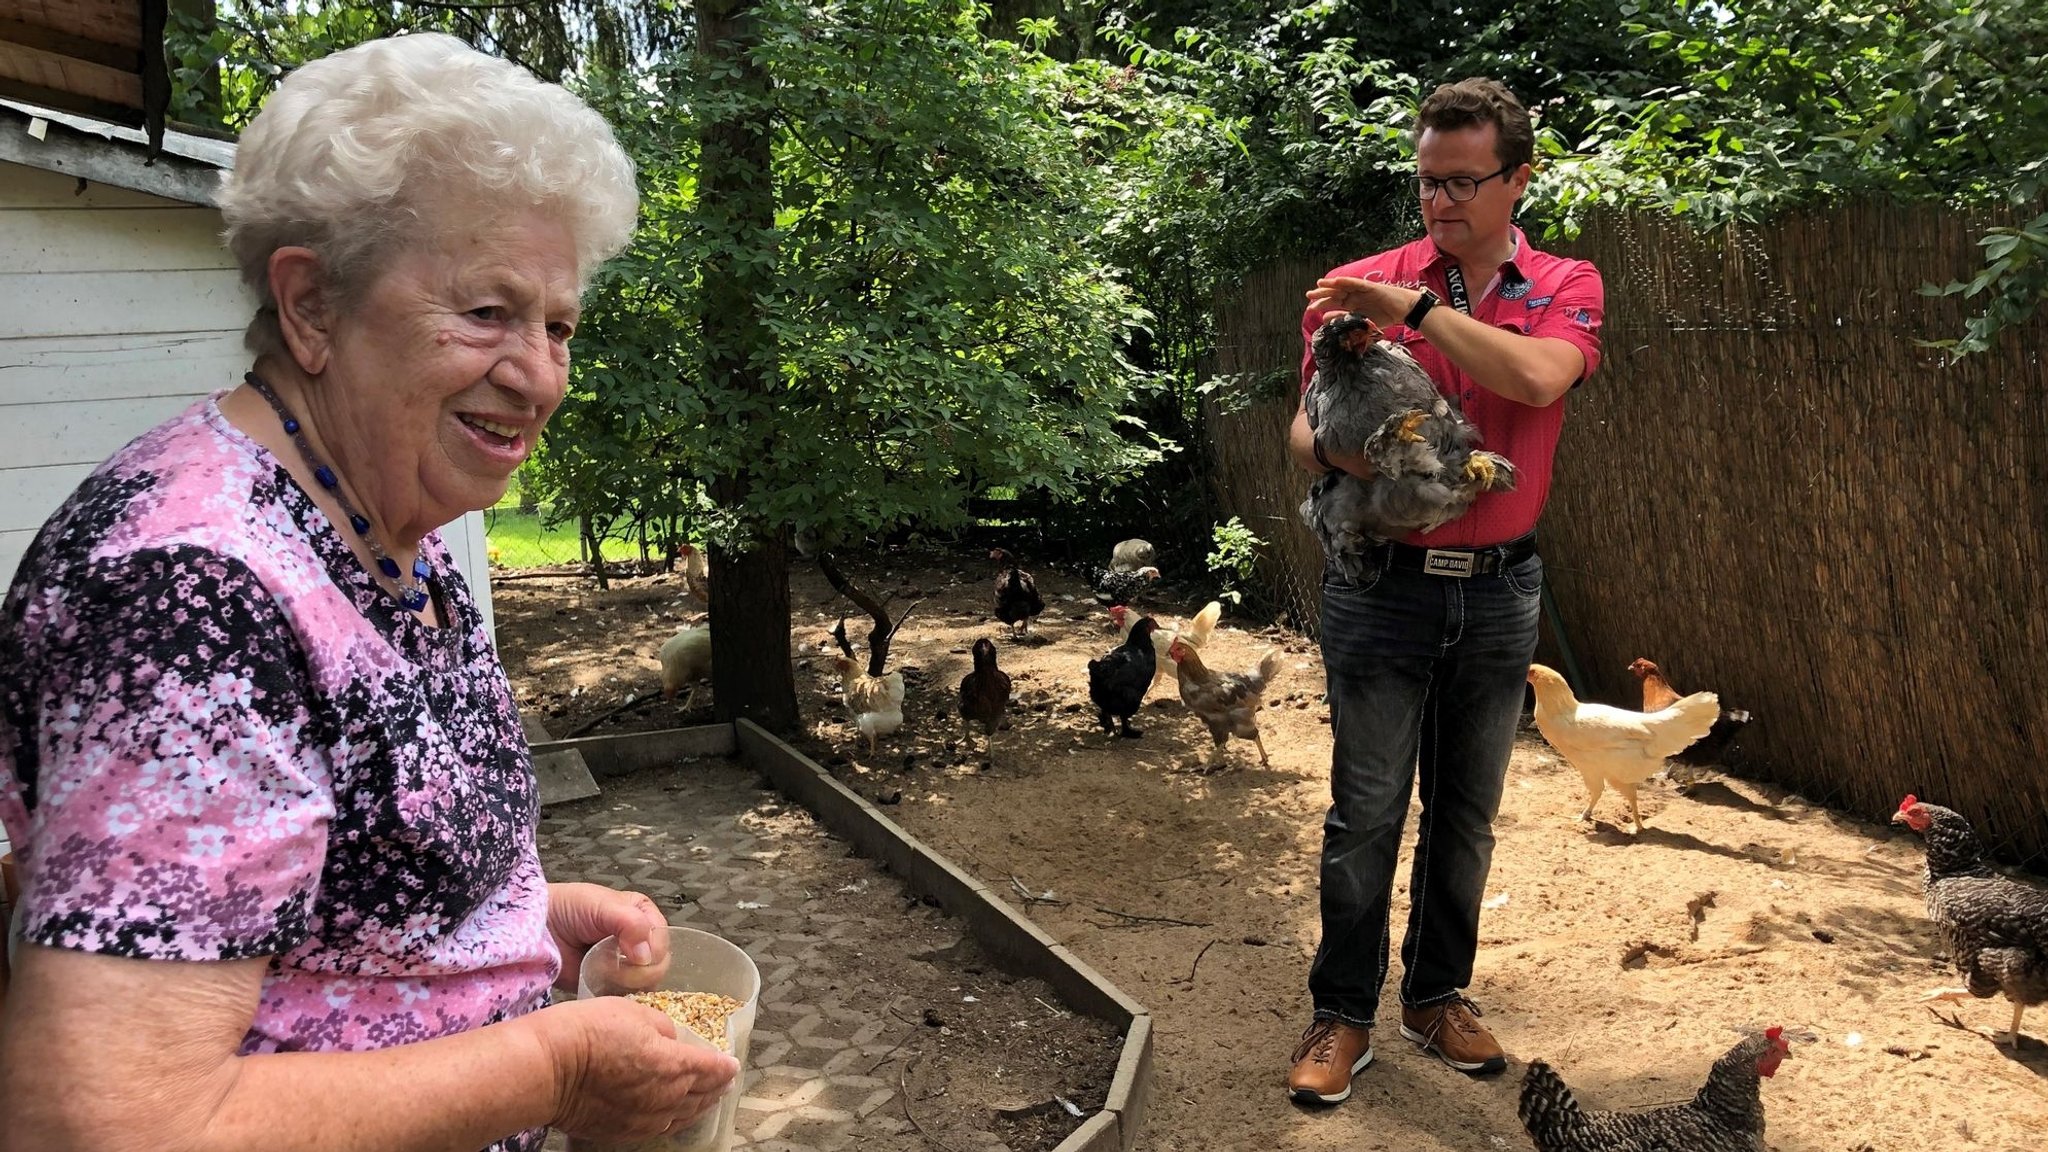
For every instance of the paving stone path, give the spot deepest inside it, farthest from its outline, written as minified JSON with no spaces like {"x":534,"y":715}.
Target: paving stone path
{"x":720,"y":853}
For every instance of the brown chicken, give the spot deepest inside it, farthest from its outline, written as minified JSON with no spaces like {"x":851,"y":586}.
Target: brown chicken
{"x":1228,"y":702}
{"x":695,"y":570}
{"x":1727,"y":1114}
{"x":1995,"y":929}
{"x":984,"y":695}
{"x":1707,"y":750}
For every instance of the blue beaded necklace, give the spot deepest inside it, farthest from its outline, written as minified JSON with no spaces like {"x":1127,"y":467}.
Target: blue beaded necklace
{"x":412,"y":593}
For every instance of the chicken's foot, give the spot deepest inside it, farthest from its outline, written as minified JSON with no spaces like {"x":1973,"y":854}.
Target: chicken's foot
{"x":1125,"y":730}
{"x":1264,"y":762}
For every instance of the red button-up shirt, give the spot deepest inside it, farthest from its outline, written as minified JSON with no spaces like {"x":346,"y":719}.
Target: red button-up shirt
{"x":1535,"y":294}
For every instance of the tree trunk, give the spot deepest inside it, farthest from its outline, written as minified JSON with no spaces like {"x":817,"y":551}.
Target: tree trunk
{"x":750,"y":633}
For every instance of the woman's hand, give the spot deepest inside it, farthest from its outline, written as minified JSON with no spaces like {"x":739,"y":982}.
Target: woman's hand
{"x":620,"y":1072}
{"x":580,"y":915}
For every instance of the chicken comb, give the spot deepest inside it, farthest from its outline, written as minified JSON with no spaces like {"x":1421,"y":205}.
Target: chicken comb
{"x":1906,"y":805}
{"x":1773,"y":1032}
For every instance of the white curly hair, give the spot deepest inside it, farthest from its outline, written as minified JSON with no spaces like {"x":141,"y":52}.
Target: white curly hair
{"x":376,"y":147}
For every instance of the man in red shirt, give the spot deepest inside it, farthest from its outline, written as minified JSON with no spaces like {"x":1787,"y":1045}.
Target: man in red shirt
{"x":1427,"y":640}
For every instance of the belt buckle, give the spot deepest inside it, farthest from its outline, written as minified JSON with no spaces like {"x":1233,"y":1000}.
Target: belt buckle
{"x":1438,"y":562}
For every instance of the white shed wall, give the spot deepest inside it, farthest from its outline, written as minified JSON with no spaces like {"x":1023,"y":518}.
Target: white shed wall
{"x":117,"y":309}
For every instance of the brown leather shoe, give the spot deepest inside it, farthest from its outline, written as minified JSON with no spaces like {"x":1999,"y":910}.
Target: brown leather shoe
{"x":1452,"y":1030}
{"x":1330,"y":1054}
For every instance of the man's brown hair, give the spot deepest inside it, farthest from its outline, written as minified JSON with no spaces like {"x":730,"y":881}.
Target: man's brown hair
{"x":1476,"y":101}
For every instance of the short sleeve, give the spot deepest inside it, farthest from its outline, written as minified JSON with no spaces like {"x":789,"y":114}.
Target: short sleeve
{"x":176,"y":806}
{"x":1574,"y":314}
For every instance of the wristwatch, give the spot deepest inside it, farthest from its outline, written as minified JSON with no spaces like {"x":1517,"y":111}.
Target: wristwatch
{"x":1427,"y":301}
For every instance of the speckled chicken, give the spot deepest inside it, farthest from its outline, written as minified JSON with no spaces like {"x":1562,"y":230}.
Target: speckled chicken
{"x":1370,"y":397}
{"x":1727,"y":1114}
{"x":1114,"y":587}
{"x":1994,"y":928}
{"x":1227,"y":702}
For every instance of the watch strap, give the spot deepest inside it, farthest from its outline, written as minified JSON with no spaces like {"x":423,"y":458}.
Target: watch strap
{"x":1423,"y":304}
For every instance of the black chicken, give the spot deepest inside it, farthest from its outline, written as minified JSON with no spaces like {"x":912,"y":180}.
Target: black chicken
{"x":1113,"y":586}
{"x":1017,"y":598}
{"x":1370,"y":397}
{"x":984,"y":694}
{"x":1727,"y":1115}
{"x":1994,"y":928}
{"x":1117,"y":679}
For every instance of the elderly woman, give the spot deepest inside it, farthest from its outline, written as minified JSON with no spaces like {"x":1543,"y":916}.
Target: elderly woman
{"x":275,"y":814}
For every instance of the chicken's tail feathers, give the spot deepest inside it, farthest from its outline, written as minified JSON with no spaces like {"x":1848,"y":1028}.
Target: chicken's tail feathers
{"x":1197,"y":630}
{"x":1549,"y":1111}
{"x":1678,"y":725}
{"x":1269,"y":667}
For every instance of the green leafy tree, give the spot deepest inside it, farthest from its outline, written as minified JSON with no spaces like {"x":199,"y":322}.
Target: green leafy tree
{"x":921,"y":317}
{"x":1780,"y":108}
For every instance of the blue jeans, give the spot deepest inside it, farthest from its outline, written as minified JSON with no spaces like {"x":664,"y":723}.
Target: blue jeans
{"x":1426,"y":670}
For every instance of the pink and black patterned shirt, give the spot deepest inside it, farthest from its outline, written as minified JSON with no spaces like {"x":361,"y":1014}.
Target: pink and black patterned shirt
{"x":219,"y":739}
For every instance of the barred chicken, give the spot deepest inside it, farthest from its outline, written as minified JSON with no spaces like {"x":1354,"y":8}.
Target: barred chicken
{"x":1370,"y":397}
{"x":1995,"y":929}
{"x":1727,"y":1114}
{"x":984,"y":694}
{"x":1227,"y":702}
{"x":1017,"y":598}
{"x":1705,"y":751}
{"x":875,"y":701}
{"x":1616,"y":747}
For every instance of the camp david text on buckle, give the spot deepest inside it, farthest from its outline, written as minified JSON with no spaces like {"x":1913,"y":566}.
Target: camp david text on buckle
{"x":1437,"y":562}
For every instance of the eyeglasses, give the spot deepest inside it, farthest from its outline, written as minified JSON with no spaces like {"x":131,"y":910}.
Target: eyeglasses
{"x":1461,"y":188}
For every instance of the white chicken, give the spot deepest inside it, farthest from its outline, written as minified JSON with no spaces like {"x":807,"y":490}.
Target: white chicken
{"x":1131,"y":555}
{"x":875,"y":701}
{"x":686,"y":659}
{"x":1616,"y":746}
{"x":1195,"y":633}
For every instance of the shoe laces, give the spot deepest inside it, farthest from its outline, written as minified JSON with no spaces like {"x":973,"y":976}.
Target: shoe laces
{"x":1320,"y":1038}
{"x":1461,"y":1013}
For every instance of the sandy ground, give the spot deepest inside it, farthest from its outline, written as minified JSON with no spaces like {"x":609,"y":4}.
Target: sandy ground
{"x":1196,"y":892}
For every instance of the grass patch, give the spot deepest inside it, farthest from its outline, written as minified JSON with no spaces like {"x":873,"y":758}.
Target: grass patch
{"x":517,"y":540}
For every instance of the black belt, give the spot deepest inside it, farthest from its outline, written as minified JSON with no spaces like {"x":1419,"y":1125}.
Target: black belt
{"x":1484,"y":561}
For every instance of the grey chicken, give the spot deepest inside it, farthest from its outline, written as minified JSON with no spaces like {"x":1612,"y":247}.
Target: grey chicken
{"x":1726,"y":1115}
{"x":1995,"y":929}
{"x":1371,"y":398}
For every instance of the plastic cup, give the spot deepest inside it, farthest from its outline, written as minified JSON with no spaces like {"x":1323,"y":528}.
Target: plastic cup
{"x":697,"y":962}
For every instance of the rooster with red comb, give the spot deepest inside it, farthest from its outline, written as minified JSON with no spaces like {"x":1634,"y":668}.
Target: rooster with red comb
{"x":1726,"y":1115}
{"x":1994,"y":928}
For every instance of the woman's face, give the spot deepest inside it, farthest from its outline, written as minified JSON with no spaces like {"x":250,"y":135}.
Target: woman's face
{"x":444,"y":372}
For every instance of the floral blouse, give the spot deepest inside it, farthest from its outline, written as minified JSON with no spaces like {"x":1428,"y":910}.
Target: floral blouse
{"x":220,"y":738}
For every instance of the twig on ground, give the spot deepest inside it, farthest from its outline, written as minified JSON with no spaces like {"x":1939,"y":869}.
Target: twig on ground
{"x":1190,"y":981}
{"x":1152,"y":919}
{"x":903,"y":1090}
{"x":628,"y":706}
